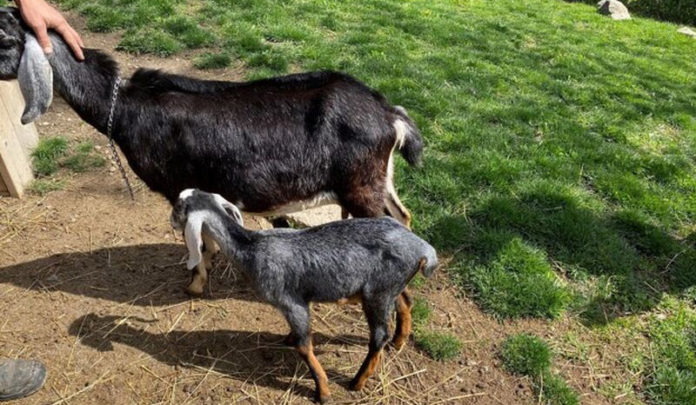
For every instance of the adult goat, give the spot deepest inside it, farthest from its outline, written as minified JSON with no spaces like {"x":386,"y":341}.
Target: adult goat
{"x":269,"y":146}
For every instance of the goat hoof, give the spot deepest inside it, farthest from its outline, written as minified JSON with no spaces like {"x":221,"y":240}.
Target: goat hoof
{"x":322,"y":399}
{"x":356,"y":385}
{"x":290,"y":340}
{"x":194,"y":292}
{"x":398,"y":344}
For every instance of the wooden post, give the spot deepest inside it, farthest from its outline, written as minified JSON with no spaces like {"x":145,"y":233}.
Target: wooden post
{"x":16,"y":141}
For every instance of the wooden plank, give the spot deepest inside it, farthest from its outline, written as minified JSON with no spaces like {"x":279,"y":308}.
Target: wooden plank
{"x":15,"y":166}
{"x":3,"y":188}
{"x":14,"y":102}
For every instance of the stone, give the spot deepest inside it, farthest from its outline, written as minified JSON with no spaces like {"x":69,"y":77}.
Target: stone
{"x":317,"y":216}
{"x":613,"y":8}
{"x":687,"y":31}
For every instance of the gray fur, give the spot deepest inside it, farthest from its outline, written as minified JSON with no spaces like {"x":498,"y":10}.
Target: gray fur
{"x":367,"y":256}
{"x":371,"y":258}
{"x":35,"y":80}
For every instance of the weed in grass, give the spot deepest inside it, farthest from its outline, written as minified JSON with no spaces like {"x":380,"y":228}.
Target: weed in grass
{"x":529,"y":355}
{"x":212,"y":61}
{"x":526,"y":355}
{"x":47,"y":154}
{"x":80,"y":162}
{"x":45,"y":186}
{"x":438,"y":345}
{"x":420,"y":312}
{"x":556,"y":391}
{"x":54,"y":152}
{"x":83,"y":158}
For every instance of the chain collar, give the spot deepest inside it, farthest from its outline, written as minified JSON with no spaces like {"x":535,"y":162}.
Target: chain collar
{"x":109,"y":128}
{"x":114,"y":97}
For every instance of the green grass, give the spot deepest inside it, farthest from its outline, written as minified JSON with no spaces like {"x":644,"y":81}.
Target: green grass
{"x":212,"y":61}
{"x":552,"y":133}
{"x":526,"y":355}
{"x":83,"y":159}
{"x":518,"y":281}
{"x":439,"y":345}
{"x":529,"y":355}
{"x":47,"y":154}
{"x":52,"y":153}
{"x":150,"y":41}
{"x":420,"y":312}
{"x":44,"y":186}
{"x":673,"y":376}
{"x":556,"y":391}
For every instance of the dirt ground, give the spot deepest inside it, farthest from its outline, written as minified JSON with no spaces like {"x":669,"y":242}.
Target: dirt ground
{"x":92,"y":283}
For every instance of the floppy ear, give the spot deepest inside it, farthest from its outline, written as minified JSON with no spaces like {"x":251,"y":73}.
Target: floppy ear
{"x":194,"y":240}
{"x":234,"y":212}
{"x":229,"y":208}
{"x":35,"y":80}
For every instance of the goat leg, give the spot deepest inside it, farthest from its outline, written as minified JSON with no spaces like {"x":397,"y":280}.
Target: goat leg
{"x":403,"y":319}
{"x":377,"y":314}
{"x":317,"y":371}
{"x":199,"y":278}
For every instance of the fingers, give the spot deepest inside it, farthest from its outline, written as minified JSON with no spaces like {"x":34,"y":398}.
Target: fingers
{"x":41,"y":16}
{"x":72,"y":38}
{"x":42,"y":37}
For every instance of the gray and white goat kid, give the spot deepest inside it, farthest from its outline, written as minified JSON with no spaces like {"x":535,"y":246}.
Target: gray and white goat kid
{"x":367,"y":260}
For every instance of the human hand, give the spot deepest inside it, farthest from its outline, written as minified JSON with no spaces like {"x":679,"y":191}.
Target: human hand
{"x":40,"y":17}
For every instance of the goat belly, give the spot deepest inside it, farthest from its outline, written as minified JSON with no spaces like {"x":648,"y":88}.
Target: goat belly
{"x":320,"y":199}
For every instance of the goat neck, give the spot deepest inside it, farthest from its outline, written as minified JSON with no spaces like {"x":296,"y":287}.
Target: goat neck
{"x":230,"y":236}
{"x":86,"y":86}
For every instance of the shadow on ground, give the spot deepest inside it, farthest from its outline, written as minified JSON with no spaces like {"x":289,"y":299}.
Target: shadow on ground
{"x":140,"y":275}
{"x":260,"y":357}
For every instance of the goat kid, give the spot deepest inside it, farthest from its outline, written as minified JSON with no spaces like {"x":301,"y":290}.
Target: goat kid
{"x":369,"y":260}
{"x":271,"y":146}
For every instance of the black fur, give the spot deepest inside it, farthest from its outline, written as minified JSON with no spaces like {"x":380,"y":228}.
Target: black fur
{"x":260,"y":144}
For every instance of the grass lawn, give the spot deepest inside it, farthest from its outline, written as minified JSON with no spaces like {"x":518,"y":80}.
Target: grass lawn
{"x":559,"y":170}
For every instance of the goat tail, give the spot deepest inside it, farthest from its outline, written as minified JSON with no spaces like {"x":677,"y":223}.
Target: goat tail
{"x":428,"y":263}
{"x":408,"y":138}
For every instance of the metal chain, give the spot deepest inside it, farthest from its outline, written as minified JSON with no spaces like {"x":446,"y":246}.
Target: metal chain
{"x":109,"y":125}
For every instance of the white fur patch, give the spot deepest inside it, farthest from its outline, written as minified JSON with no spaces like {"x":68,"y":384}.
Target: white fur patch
{"x":392,"y":200}
{"x":401,"y":129}
{"x":194,"y":239}
{"x":296,"y":206}
{"x":229,"y":208}
{"x":186,"y":193}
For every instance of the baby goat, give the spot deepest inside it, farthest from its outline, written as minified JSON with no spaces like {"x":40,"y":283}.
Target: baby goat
{"x":271,"y":146}
{"x":370,"y":260}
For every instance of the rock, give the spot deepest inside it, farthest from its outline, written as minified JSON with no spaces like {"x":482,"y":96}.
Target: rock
{"x":317,"y":216}
{"x":687,"y":31}
{"x":613,"y":8}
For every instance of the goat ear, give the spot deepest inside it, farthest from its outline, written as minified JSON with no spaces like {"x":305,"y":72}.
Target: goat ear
{"x":194,"y":240}
{"x":234,"y":212}
{"x":35,"y":80}
{"x":229,"y":208}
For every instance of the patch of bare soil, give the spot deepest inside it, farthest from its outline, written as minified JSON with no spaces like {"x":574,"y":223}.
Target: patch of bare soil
{"x":92,"y":283}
